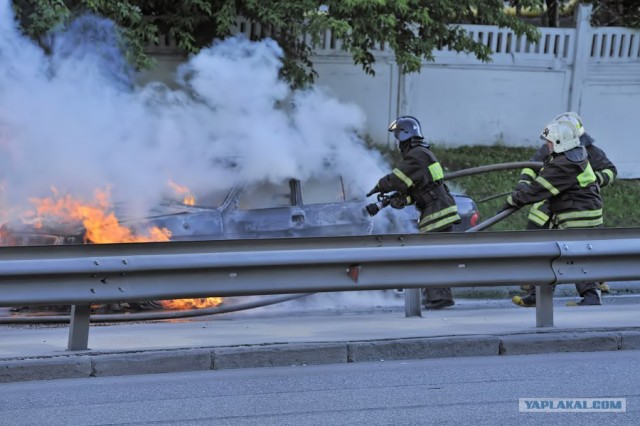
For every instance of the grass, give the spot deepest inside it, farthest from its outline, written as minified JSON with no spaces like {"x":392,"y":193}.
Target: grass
{"x":619,"y":198}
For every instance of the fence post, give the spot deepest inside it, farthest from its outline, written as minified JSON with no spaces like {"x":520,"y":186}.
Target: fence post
{"x":581,"y":55}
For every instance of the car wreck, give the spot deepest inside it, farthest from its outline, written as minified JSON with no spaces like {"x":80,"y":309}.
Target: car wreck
{"x":295,"y":208}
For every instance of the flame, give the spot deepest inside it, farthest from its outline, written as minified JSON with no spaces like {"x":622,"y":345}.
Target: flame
{"x":101,"y":226}
{"x":181,"y":304}
{"x":189,"y":199}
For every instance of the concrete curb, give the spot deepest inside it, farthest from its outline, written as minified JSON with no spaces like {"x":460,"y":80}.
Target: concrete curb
{"x":560,"y":342}
{"x":423,"y":348}
{"x":630,"y":340}
{"x":45,"y":369}
{"x":88,"y":364}
{"x":152,"y":362}
{"x":279,"y":355}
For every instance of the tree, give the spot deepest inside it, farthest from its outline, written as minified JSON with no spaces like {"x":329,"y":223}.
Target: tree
{"x":549,"y":10}
{"x":620,"y":13}
{"x":412,"y":28}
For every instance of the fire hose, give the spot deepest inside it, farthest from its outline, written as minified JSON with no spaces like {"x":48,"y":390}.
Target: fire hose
{"x":396,"y":200}
{"x":158,"y":315}
{"x":537,"y":165}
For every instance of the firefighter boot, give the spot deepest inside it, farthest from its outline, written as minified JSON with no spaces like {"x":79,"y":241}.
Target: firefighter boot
{"x":439,"y":304}
{"x":589,"y":298}
{"x":528,"y":301}
{"x":437,"y":298}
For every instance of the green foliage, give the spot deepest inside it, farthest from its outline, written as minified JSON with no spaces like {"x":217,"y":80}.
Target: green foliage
{"x":620,"y":13}
{"x":412,"y":28}
{"x":38,"y":17}
{"x":487,"y":184}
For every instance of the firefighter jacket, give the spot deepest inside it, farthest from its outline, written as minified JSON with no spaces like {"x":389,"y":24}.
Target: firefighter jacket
{"x":604,"y":169}
{"x":419,"y":176}
{"x":569,"y":183}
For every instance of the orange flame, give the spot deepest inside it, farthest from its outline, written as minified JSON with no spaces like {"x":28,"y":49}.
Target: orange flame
{"x":181,"y":304}
{"x":101,"y":226}
{"x":189,"y":199}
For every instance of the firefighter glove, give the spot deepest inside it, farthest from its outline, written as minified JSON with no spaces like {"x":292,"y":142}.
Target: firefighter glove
{"x":399,"y":201}
{"x":509,"y":204}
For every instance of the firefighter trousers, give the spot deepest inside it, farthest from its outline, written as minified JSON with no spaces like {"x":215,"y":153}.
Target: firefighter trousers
{"x":436,"y":294}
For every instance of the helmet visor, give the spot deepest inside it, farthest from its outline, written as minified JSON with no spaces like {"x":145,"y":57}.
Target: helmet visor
{"x":393,"y":127}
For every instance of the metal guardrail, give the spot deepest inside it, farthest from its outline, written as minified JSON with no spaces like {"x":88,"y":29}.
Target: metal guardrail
{"x":85,"y":274}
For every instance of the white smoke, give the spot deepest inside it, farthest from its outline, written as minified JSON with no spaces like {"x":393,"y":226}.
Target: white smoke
{"x":72,"y":119}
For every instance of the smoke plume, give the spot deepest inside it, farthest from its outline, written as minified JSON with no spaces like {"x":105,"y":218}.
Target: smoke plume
{"x":72,"y":118}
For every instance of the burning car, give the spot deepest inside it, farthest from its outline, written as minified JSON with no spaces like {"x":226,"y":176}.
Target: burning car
{"x":312,"y":208}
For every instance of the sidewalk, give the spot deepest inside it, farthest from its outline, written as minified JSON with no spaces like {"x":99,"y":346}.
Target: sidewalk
{"x":319,"y":329}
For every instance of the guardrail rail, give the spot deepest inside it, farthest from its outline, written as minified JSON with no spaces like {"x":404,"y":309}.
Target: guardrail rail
{"x":85,"y":274}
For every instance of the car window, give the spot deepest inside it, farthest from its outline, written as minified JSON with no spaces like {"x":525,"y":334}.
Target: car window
{"x":213,"y":198}
{"x":320,"y":191}
{"x":265,"y":195}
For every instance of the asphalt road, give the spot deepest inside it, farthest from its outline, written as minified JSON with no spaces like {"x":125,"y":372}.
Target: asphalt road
{"x":482,"y":390}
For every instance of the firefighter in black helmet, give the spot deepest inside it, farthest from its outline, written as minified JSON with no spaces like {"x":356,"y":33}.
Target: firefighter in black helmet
{"x":419,"y":177}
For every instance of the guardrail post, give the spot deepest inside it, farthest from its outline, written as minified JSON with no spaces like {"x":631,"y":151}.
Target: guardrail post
{"x":412,"y":306}
{"x":79,"y":328}
{"x":544,"y":306}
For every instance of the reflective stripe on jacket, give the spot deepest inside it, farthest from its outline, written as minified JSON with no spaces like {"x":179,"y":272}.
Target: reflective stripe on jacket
{"x":420,"y":176}
{"x":571,"y":189}
{"x":606,"y":172}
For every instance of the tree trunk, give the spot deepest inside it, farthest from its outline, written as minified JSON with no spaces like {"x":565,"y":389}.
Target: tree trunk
{"x":553,"y":13}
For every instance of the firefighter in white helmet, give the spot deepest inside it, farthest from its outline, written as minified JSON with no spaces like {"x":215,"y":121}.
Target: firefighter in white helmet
{"x":569,"y":185}
{"x":606,"y":172}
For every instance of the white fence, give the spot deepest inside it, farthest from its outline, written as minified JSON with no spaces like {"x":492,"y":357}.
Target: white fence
{"x":462,"y":101}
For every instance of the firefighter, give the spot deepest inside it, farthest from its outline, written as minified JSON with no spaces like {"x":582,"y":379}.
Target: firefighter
{"x":419,"y":178}
{"x":570,"y":186}
{"x":605,"y":170}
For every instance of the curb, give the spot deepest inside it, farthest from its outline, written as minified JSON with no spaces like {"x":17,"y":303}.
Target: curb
{"x":423,"y":348}
{"x":88,"y":364}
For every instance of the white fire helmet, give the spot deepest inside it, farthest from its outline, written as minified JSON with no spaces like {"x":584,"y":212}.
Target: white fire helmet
{"x":574,"y":118}
{"x":563,"y":134}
